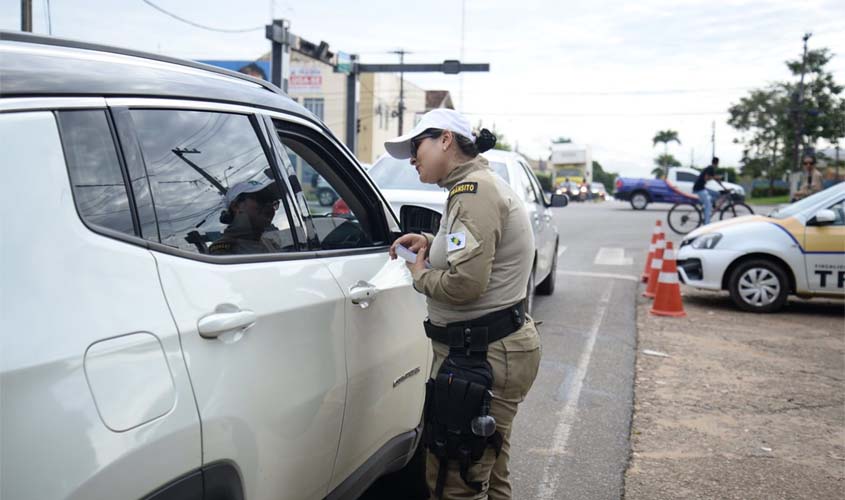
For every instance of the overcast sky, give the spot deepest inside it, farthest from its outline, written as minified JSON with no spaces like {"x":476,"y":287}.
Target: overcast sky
{"x":605,"y":73}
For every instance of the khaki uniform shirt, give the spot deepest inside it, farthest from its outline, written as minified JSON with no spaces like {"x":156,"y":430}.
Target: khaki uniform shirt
{"x":483,"y":252}
{"x":810,"y":183}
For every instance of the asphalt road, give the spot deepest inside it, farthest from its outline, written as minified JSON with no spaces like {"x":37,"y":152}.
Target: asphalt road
{"x":570,"y":438}
{"x":571,"y":435}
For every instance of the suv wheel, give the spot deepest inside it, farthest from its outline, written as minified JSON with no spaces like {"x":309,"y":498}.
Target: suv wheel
{"x":547,"y":286}
{"x":639,"y":200}
{"x":759,"y":286}
{"x":326,"y":197}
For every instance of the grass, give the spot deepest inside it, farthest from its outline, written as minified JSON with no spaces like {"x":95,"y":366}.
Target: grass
{"x":771,"y":200}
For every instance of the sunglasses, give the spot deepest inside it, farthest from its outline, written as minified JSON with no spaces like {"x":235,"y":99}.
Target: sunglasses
{"x":416,"y":141}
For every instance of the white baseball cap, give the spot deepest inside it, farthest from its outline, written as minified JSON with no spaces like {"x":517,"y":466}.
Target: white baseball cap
{"x":440,"y":118}
{"x":252,"y":186}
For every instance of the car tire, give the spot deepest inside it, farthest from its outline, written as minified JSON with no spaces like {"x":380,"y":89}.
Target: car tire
{"x":326,"y":197}
{"x":547,"y":286}
{"x":759,"y":285}
{"x":639,"y":200}
{"x":529,"y":294}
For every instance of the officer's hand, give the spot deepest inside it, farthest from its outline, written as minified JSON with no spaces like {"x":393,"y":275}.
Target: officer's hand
{"x":419,"y":265}
{"x":413,"y":242}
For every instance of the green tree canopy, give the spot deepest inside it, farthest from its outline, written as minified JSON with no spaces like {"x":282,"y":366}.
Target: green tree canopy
{"x":606,"y":178}
{"x":767,"y":118}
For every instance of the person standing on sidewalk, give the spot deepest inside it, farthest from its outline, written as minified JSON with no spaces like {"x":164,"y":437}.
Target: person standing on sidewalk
{"x":486,"y":349}
{"x":700,"y":188}
{"x":811,"y":180}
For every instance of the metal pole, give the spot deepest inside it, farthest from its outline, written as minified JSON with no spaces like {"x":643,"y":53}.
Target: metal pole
{"x":713,"y":140}
{"x":26,"y":15}
{"x":279,"y":35}
{"x":352,"y":107}
{"x":463,"y":39}
{"x":401,"y":90}
{"x":799,"y":133}
{"x":837,"y":162}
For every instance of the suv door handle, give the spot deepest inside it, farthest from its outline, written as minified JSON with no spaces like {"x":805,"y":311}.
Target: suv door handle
{"x":224,"y":319}
{"x":362,"y":293}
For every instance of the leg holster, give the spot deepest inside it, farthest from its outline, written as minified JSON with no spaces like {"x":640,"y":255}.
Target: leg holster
{"x":459,"y":394}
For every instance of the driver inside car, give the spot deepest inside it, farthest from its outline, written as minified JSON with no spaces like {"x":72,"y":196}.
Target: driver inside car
{"x":250,"y":209}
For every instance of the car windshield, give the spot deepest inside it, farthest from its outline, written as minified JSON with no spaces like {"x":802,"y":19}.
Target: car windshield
{"x":797,"y":207}
{"x":390,"y":173}
{"x":500,"y":169}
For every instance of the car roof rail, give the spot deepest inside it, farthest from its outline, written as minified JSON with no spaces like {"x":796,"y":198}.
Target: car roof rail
{"x":20,"y":36}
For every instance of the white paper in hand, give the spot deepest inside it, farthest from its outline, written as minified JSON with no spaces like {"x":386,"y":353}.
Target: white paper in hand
{"x":409,"y":256}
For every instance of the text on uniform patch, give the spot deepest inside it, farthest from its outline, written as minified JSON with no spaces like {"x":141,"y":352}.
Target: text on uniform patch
{"x":464,"y":187}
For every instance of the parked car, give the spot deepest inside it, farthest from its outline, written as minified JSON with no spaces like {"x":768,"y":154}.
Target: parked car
{"x":676,"y":188}
{"x":139,"y":362}
{"x":401,"y":186}
{"x":798,"y":249}
{"x":598,"y":191}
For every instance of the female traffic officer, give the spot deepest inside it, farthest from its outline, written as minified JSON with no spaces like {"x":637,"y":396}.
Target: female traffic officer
{"x":474,"y":273}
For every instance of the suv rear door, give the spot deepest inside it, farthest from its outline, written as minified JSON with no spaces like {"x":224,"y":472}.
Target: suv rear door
{"x":262,"y":327}
{"x":96,"y":399}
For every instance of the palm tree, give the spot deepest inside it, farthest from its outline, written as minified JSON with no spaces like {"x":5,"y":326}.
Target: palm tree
{"x":665,"y":136}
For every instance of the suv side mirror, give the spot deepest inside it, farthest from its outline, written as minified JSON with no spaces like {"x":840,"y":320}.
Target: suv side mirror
{"x":560,"y":200}
{"x":823,"y":217}
{"x":415,"y":219}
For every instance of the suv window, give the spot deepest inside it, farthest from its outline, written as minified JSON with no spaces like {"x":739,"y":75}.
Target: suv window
{"x":213,"y":189}
{"x":99,"y":188}
{"x":336,"y":207}
{"x":686,"y":177}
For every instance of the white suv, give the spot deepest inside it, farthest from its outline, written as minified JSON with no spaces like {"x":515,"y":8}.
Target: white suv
{"x":137,"y":361}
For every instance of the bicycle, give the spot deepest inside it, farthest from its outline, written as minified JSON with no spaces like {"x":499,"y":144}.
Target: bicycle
{"x":685,"y":216}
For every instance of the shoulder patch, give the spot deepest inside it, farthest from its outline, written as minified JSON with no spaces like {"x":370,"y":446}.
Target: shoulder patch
{"x":464,"y":187}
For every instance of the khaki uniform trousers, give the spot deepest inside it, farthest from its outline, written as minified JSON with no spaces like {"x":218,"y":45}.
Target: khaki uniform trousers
{"x":515,"y":360}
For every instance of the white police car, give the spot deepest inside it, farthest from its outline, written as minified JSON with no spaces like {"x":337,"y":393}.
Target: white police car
{"x":798,"y":249}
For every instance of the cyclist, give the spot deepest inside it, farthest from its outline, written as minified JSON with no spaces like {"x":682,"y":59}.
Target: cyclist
{"x":700,"y":188}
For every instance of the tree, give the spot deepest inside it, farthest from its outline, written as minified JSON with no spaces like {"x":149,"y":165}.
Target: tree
{"x":664,"y":162}
{"x":665,"y":136}
{"x":606,"y":178}
{"x":562,"y":140}
{"x":768,"y":118}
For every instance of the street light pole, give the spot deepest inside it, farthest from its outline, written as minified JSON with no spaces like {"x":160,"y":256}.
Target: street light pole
{"x":401,"y":53}
{"x":26,"y":15}
{"x":799,"y":125}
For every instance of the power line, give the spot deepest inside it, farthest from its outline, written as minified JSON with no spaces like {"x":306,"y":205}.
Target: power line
{"x":198,"y":25}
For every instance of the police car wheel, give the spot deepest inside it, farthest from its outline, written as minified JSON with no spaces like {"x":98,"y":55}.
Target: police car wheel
{"x":759,"y":285}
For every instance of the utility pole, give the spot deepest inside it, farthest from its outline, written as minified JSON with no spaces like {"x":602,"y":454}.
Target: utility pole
{"x":279,"y":34}
{"x":799,"y":120}
{"x":401,"y":53}
{"x":463,"y":45}
{"x":837,"y":162}
{"x":26,"y":15}
{"x":713,"y":140}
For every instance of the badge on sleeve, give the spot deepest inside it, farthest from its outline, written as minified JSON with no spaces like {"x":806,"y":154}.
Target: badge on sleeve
{"x":456,"y":241}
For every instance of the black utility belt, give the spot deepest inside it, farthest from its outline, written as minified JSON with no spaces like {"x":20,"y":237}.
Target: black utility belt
{"x":476,"y":334}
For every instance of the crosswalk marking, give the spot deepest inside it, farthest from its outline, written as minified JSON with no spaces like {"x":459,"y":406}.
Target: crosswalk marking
{"x":612,"y":256}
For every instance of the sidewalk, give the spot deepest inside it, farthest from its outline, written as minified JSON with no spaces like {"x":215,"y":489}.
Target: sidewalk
{"x":746,"y":406}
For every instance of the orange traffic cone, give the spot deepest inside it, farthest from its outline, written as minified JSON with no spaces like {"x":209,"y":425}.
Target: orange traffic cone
{"x":656,"y":266}
{"x":658,"y":230}
{"x":668,"y":299}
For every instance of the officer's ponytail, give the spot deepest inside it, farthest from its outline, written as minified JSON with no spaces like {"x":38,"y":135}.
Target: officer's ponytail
{"x":484,"y":141}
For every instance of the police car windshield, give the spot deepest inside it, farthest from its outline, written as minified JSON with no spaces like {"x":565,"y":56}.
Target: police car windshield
{"x":798,"y":207}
